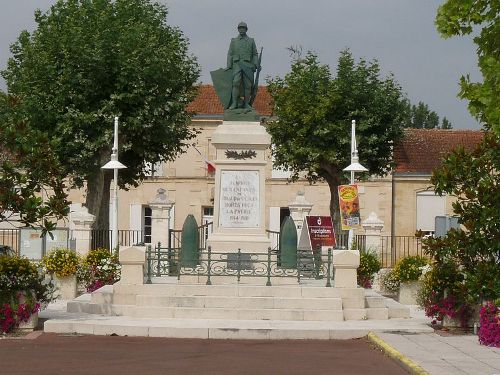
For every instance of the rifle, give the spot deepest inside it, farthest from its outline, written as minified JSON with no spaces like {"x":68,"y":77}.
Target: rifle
{"x":256,"y":83}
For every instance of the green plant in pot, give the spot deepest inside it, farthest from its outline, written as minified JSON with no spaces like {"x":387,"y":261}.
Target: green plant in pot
{"x":369,"y":265}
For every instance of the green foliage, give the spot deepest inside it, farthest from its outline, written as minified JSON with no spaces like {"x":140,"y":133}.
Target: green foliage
{"x":62,"y":262}
{"x":421,"y":117}
{"x":473,"y":178}
{"x":369,"y":265}
{"x":19,"y":274}
{"x":32,"y":190}
{"x":466,"y":268}
{"x":459,"y":17}
{"x":410,"y":268}
{"x":314,"y":111}
{"x":390,"y":281}
{"x":88,"y":61}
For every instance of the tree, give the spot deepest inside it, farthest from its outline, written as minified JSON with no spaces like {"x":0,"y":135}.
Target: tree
{"x":88,"y":61}
{"x":313,"y":132}
{"x":458,"y":17}
{"x":421,"y":117}
{"x":465,"y":267}
{"x":32,"y":190}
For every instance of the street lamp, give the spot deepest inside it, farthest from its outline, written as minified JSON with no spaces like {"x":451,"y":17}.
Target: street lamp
{"x":114,"y":164}
{"x":353,"y":167}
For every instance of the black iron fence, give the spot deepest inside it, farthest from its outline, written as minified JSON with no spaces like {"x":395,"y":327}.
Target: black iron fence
{"x":10,"y":238}
{"x":163,"y":261}
{"x":102,"y":237}
{"x":393,"y":248}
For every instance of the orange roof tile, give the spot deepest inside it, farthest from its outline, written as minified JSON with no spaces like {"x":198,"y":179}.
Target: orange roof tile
{"x":422,"y":150}
{"x":207,"y":102}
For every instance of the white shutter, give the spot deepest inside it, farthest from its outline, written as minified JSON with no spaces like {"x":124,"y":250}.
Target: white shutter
{"x":274,"y":224}
{"x":429,"y":205}
{"x":135,"y":218}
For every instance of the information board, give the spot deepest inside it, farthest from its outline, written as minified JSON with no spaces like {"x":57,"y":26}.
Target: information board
{"x":317,"y":231}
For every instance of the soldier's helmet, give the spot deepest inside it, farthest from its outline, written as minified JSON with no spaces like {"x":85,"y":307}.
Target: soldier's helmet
{"x":242,"y":24}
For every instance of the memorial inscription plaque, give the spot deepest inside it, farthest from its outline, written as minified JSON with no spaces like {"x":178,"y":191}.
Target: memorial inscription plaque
{"x":239,"y":199}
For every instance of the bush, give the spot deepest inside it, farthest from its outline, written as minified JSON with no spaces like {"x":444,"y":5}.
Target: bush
{"x":61,"y":262}
{"x":406,"y":269}
{"x":489,"y":332}
{"x":369,"y":265}
{"x":23,"y":291}
{"x":443,"y":293}
{"x":99,"y":267}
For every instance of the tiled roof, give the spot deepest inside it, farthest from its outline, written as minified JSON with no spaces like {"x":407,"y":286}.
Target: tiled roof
{"x":207,"y":102}
{"x":422,"y":150}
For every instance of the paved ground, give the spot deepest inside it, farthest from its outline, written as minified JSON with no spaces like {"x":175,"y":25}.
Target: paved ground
{"x":446,"y":354}
{"x":72,"y":354}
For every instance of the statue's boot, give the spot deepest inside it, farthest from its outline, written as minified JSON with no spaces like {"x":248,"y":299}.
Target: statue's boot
{"x":247,"y":105}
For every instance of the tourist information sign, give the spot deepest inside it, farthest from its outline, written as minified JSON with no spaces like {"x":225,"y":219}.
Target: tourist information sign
{"x":317,"y":231}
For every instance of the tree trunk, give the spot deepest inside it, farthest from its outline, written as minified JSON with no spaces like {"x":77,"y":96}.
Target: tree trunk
{"x":333,"y":184}
{"x":332,"y":175}
{"x":97,"y":199}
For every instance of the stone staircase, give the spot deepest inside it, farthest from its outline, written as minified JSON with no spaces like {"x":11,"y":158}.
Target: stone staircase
{"x":237,"y":302}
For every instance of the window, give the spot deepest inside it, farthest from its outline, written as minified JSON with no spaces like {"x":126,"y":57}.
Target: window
{"x":155,"y":170}
{"x":147,"y":224}
{"x":208,"y":217}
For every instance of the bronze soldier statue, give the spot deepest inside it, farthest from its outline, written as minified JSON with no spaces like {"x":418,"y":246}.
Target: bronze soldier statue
{"x":242,"y":59}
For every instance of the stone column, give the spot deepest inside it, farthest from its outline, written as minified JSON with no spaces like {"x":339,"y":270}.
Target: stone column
{"x":239,"y":201}
{"x":132,"y":260}
{"x":81,"y":226}
{"x":345,"y":265}
{"x":299,"y":209}
{"x":160,"y":218}
{"x":373,"y":228}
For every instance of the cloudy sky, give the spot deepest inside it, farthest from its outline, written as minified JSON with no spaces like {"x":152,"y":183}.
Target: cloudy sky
{"x":399,"y":33}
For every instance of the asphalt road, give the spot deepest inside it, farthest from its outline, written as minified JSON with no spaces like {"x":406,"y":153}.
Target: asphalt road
{"x":71,"y":354}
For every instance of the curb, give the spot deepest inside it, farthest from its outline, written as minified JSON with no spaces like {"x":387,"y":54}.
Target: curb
{"x":403,"y":360}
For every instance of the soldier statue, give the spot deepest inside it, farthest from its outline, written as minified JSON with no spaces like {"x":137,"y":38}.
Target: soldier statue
{"x":242,"y":59}
{"x":235,"y":85}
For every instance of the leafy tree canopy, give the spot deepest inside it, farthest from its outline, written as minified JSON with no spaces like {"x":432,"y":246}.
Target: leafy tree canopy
{"x":473,"y":178}
{"x":421,"y":117}
{"x":459,"y":17}
{"x":32,"y":190}
{"x":314,"y":109}
{"x":88,"y":61}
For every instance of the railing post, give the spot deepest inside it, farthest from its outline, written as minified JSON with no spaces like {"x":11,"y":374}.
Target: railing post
{"x":209,"y":265}
{"x":268,"y":283}
{"x":148,"y":255}
{"x":298,"y":265}
{"x":239,"y":264}
{"x":158,"y":259}
{"x":329,"y":269}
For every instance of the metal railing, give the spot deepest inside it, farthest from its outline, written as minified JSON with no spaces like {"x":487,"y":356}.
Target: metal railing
{"x":394,"y":248}
{"x":102,"y":237}
{"x":162,"y":261}
{"x":10,"y":238}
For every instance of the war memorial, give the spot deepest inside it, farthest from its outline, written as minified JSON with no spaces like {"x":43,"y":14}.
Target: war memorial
{"x":233,"y":284}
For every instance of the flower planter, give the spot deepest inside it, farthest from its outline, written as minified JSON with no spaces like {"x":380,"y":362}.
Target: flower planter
{"x":66,"y":286}
{"x":30,"y":325}
{"x":408,"y":292}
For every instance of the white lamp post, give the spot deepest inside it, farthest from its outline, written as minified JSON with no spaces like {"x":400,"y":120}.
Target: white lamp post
{"x":114,"y":164}
{"x":353,"y":167}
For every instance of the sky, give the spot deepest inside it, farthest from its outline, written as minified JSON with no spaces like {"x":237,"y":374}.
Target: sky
{"x":400,"y":34}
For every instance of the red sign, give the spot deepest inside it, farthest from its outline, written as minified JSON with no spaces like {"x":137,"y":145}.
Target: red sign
{"x":321,"y":231}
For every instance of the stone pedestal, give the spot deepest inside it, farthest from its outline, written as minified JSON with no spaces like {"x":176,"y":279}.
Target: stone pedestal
{"x":373,"y":228}
{"x":239,"y":199}
{"x":81,"y":225}
{"x":345,"y":265}
{"x":160,"y":220}
{"x":132,"y":260}
{"x":299,"y":209}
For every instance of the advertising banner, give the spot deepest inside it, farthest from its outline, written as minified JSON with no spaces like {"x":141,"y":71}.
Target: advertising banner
{"x":349,"y":207}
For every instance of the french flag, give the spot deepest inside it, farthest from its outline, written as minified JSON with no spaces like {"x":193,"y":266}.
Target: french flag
{"x":208,"y":164}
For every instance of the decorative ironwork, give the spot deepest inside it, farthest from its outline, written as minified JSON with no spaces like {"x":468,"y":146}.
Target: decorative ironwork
{"x":239,"y":264}
{"x":241,"y":155}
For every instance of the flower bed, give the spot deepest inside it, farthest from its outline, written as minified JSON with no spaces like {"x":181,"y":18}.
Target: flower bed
{"x":99,"y":268}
